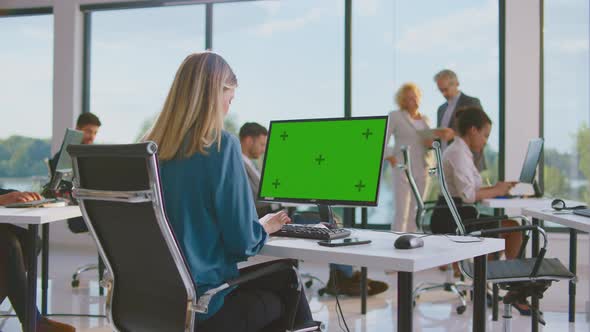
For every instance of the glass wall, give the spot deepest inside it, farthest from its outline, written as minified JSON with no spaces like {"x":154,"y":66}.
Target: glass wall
{"x":26,"y":70}
{"x":288,"y":56}
{"x":566,"y":99}
{"x":134,"y":56}
{"x":395,"y":42}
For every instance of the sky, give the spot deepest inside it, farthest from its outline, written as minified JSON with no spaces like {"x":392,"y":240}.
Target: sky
{"x":288,"y":57}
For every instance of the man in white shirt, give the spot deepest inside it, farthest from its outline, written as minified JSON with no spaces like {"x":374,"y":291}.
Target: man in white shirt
{"x":253,"y":139}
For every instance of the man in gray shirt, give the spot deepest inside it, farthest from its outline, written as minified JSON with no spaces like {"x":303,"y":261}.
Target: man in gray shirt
{"x":448,"y":85}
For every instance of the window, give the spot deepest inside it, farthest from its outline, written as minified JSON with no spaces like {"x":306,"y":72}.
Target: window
{"x":288,"y":57}
{"x":395,"y":42}
{"x":134,"y":56}
{"x":26,"y":62}
{"x":566,"y":99}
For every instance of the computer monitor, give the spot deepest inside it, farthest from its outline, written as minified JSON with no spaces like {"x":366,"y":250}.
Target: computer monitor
{"x":64,"y":161}
{"x":324,"y":161}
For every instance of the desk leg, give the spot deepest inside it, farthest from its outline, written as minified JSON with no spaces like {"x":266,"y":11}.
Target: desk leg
{"x":404,"y":301}
{"x":573,"y":269}
{"x":479,"y":293}
{"x":364,"y":290}
{"x":31,"y":294}
{"x":535,"y":253}
{"x":44,"y":268}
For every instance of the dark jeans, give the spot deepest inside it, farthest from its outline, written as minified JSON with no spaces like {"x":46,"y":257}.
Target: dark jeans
{"x":14,"y":253}
{"x":262,"y":304}
{"x":442,"y":221}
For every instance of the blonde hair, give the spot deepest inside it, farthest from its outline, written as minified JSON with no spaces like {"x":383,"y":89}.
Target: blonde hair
{"x":192,"y":117}
{"x":401,"y":93}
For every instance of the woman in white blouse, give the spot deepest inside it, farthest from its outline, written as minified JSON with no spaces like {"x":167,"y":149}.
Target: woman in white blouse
{"x":405,"y":126}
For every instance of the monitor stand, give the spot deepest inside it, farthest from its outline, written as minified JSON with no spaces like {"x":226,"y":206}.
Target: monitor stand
{"x":537,"y":189}
{"x":326,"y":214}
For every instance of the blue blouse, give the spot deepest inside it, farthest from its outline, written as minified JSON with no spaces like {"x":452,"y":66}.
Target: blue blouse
{"x":210,"y":207}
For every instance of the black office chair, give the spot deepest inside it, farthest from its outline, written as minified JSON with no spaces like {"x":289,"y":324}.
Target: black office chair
{"x":521,"y":277}
{"x":423,"y":209}
{"x":150,"y":287}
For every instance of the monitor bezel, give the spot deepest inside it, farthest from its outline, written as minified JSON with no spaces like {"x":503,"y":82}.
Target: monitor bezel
{"x":318,"y":200}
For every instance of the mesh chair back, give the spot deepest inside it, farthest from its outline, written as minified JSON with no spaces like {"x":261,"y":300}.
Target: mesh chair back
{"x":118,"y":190}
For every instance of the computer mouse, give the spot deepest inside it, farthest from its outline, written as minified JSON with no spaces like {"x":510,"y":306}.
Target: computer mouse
{"x":408,"y":241}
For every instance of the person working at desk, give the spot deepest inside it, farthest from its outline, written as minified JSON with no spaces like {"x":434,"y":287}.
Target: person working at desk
{"x":463,"y":178}
{"x":13,"y":255}
{"x":209,"y":203}
{"x":343,"y":279}
{"x":88,"y":124}
{"x":465,"y":184}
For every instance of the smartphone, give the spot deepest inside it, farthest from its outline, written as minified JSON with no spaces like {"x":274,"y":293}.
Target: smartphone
{"x":349,"y":241}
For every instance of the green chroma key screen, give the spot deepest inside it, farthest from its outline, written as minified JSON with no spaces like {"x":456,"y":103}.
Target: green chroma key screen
{"x":330,"y":161}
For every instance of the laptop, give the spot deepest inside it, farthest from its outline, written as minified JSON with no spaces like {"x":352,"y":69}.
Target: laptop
{"x":529,"y":167}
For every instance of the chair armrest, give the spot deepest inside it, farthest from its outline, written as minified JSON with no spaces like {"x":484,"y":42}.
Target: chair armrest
{"x":202,"y":305}
{"x":486,"y":220}
{"x":494,"y":231}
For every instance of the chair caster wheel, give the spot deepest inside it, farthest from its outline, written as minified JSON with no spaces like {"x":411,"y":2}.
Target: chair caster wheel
{"x":308,"y":284}
{"x":461,"y":309}
{"x":321,"y":292}
{"x":75,"y":283}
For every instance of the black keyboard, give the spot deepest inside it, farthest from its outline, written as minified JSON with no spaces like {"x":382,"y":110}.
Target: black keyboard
{"x":311,"y":232}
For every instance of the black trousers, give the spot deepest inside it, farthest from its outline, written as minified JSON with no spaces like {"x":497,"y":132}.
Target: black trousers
{"x":263,"y":304}
{"x":13,"y":257}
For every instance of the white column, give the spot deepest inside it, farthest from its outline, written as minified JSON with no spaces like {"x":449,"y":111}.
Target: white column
{"x":67,"y":68}
{"x":522,"y":81}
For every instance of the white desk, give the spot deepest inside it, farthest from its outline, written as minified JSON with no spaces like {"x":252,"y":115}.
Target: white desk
{"x":437,"y":250}
{"x":521,"y":203}
{"x":33,"y":217}
{"x":574,"y":222}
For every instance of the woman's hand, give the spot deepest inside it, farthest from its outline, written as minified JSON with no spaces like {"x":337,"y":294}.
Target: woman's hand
{"x":392,"y":161}
{"x":503,"y":188}
{"x":445,"y":134}
{"x":18,"y":197}
{"x":273,"y":222}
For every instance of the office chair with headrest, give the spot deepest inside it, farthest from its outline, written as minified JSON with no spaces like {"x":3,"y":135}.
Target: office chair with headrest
{"x":422,"y":209}
{"x":149,"y":285}
{"x":521,"y":277}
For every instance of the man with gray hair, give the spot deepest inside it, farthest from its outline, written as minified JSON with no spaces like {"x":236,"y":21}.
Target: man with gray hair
{"x":448,"y":85}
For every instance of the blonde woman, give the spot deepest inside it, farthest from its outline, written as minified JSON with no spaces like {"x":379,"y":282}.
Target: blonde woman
{"x":209,"y":202}
{"x":405,"y":126}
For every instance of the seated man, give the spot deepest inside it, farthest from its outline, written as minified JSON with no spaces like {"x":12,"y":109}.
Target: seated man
{"x":89,"y":124}
{"x":253,"y":137}
{"x":13,"y":255}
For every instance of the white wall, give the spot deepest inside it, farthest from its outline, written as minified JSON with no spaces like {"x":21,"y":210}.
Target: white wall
{"x":522,"y":81}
